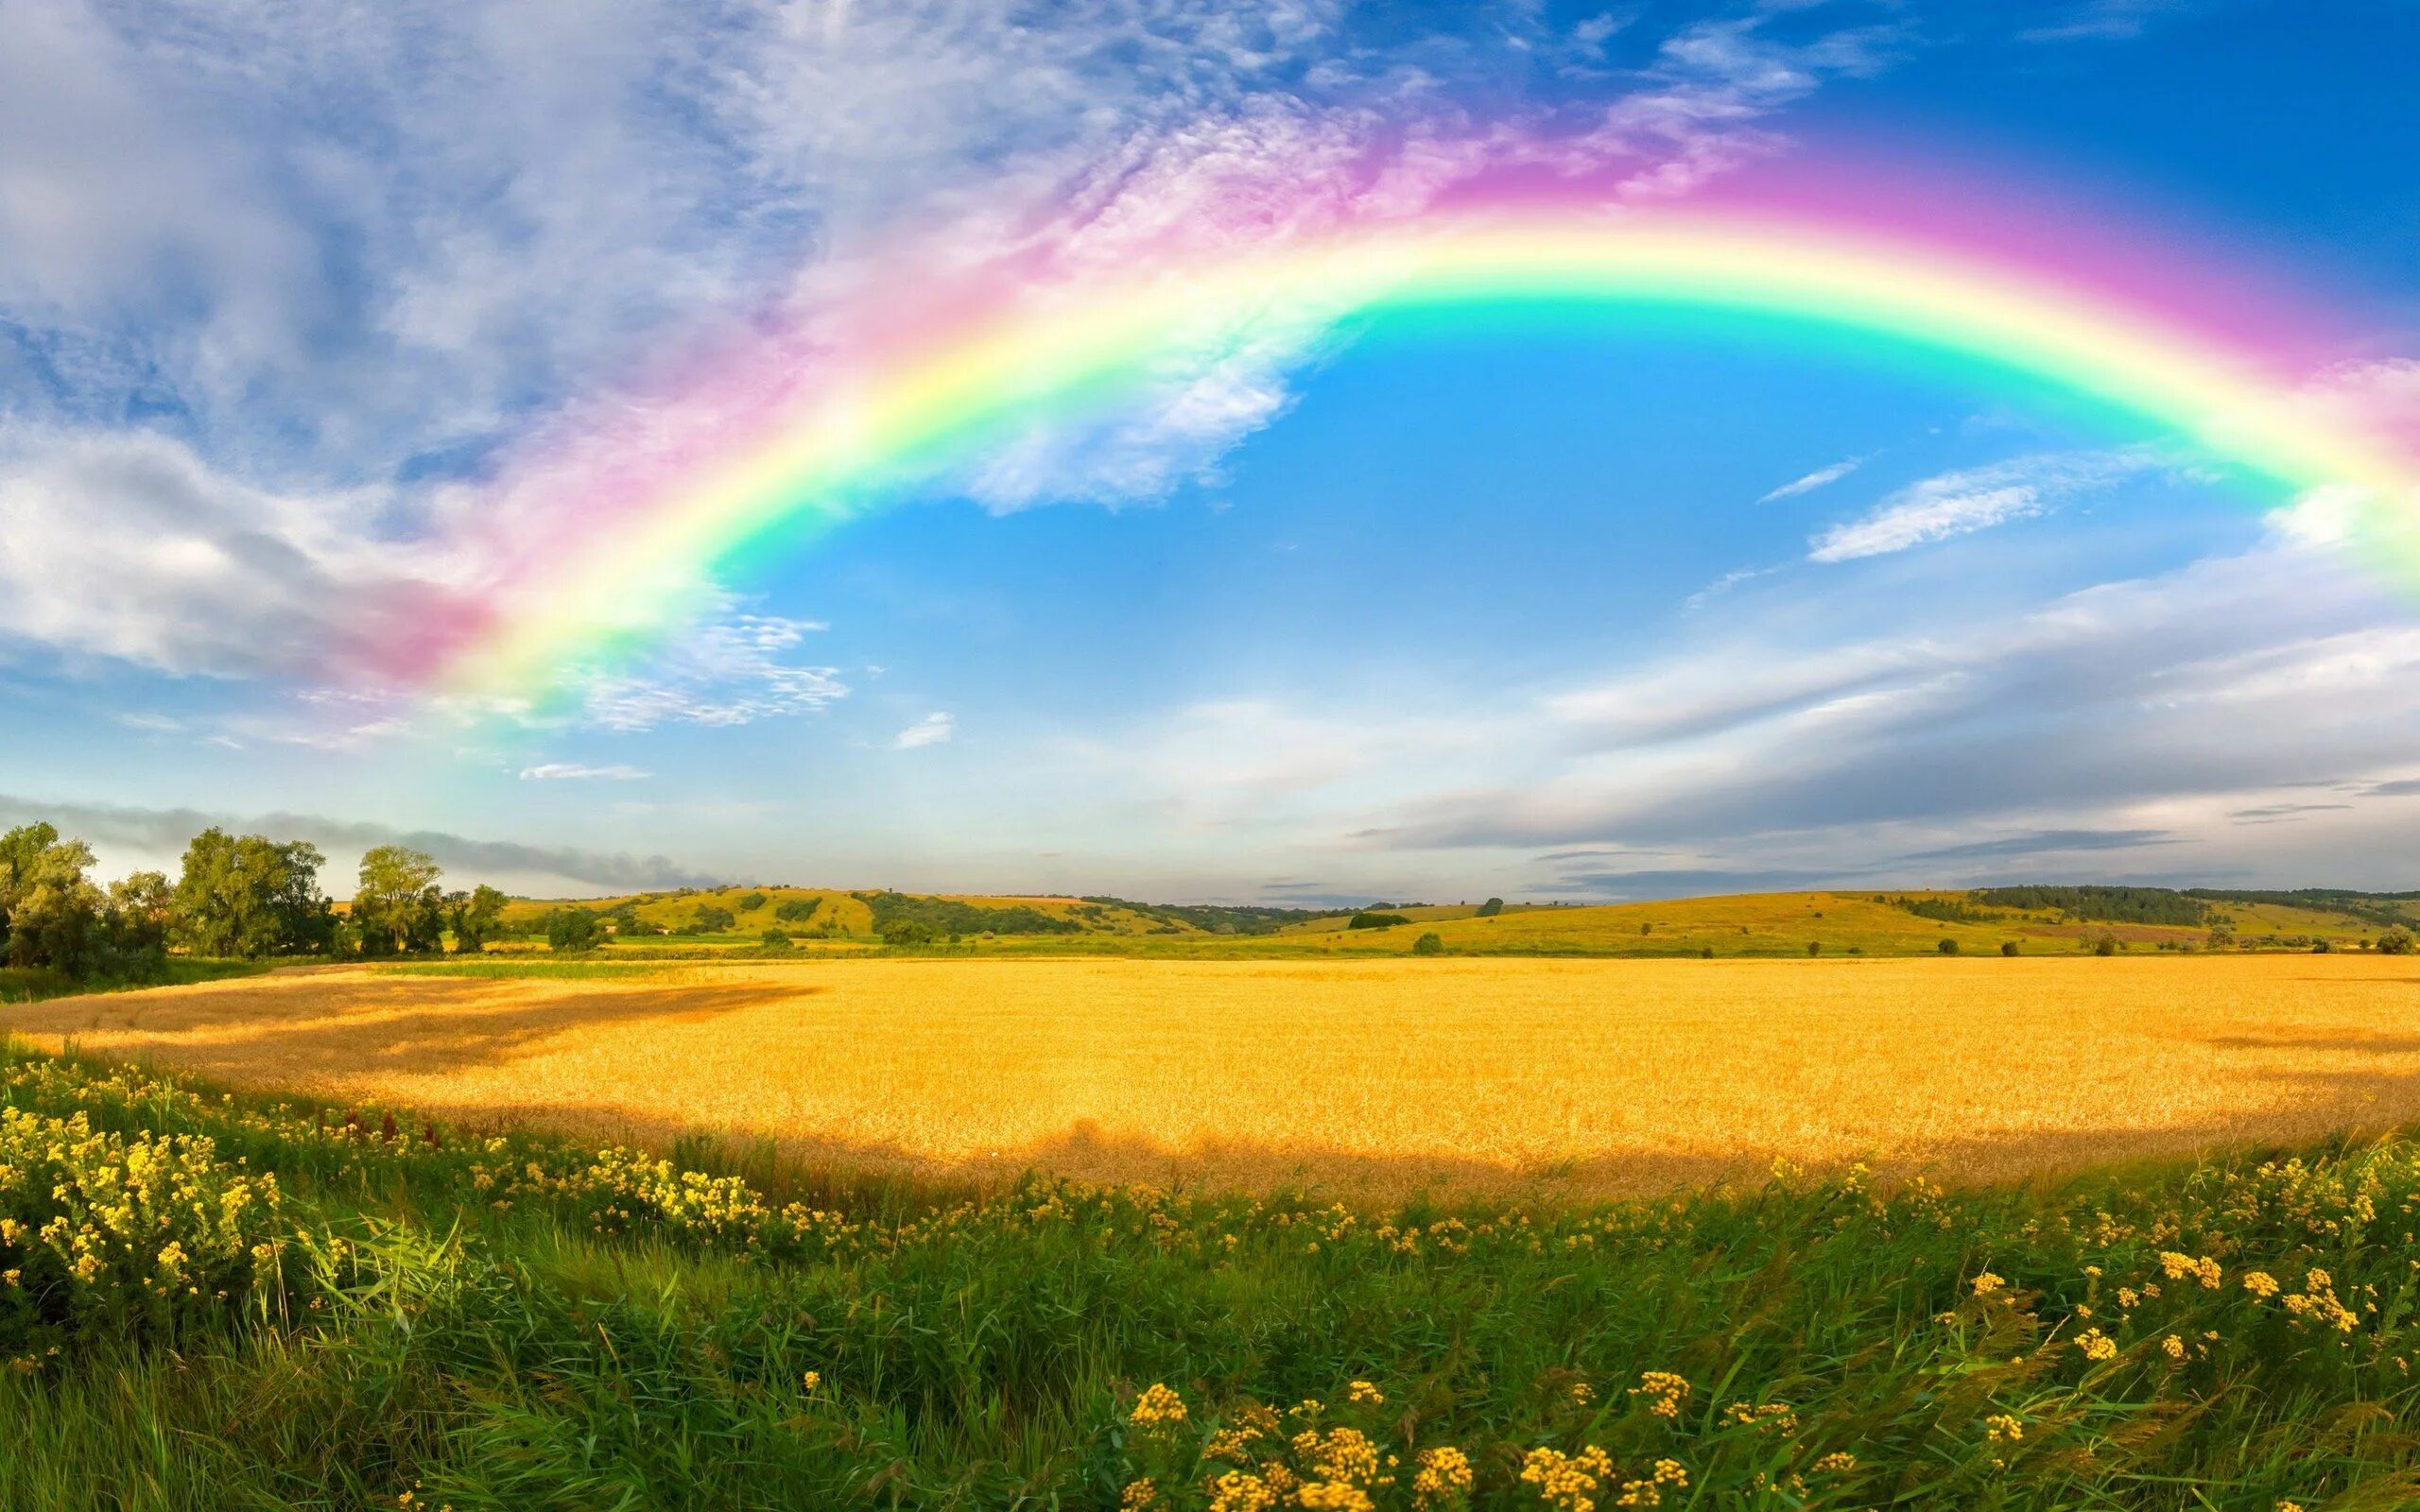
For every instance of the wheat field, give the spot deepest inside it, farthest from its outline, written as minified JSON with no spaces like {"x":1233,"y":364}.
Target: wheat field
{"x":1568,"y":1077}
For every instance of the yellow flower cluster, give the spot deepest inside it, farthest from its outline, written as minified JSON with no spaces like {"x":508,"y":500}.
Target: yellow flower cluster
{"x":1567,"y":1482}
{"x":2096,"y":1346}
{"x":2180,"y":1267}
{"x":1444,"y":1478}
{"x":1664,"y":1393}
{"x":1158,"y":1410}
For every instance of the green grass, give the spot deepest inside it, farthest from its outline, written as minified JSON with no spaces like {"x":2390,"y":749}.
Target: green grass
{"x":508,"y":1322}
{"x":34,"y":985}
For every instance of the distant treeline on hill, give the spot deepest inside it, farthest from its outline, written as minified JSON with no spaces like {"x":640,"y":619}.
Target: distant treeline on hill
{"x":946,"y":916}
{"x":2370,"y":907}
{"x":2115,"y":905}
{"x":1219,"y":918}
{"x":1944,"y":910}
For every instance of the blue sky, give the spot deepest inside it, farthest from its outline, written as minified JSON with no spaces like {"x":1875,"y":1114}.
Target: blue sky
{"x":1540,"y":608}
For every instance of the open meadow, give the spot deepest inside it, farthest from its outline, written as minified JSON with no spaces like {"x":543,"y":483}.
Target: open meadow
{"x":1368,"y":1079}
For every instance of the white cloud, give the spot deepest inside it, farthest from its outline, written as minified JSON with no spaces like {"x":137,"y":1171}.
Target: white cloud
{"x":574,"y":771}
{"x":933,"y":729}
{"x":1972,"y":498}
{"x":1814,"y":480}
{"x":728,"y":669}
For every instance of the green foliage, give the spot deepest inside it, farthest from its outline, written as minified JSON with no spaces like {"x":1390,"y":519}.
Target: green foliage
{"x":707,"y":920}
{"x":250,"y":898}
{"x":1371,"y":920}
{"x":948,"y":916}
{"x":774,"y":939}
{"x":908,"y":933}
{"x":1219,"y":918}
{"x":798,"y":910}
{"x":1490,"y":908}
{"x":398,"y":907}
{"x":55,"y":922}
{"x":476,"y":918}
{"x":751,"y":902}
{"x":516,"y":1323}
{"x":2395,"y":942}
{"x":1948,"y":947}
{"x":2105,"y":945}
{"x":1814,"y":947}
{"x":574,"y":928}
{"x":1940,"y":910}
{"x":2008,"y":947}
{"x":2117,"y":905}
{"x":1430,"y":944}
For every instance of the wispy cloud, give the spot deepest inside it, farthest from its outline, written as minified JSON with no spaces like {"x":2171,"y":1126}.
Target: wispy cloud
{"x":1972,"y":498}
{"x":932,"y":730}
{"x":2102,"y":21}
{"x":574,"y":771}
{"x":1814,"y":480}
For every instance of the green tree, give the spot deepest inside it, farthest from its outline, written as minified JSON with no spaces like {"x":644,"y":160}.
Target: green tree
{"x":398,"y":906}
{"x":54,"y":911}
{"x":572,"y":928}
{"x":251,"y":897}
{"x":1491,"y":908}
{"x":1428,"y":944}
{"x":2008,"y":947}
{"x":475,"y":916}
{"x":751,"y":902}
{"x":902,"y":933}
{"x":1373,"y":919}
{"x":1949,"y":947}
{"x":2395,"y":942}
{"x":774,"y":939}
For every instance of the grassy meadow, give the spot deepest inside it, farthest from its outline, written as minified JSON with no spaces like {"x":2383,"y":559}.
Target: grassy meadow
{"x":1145,"y":1216}
{"x":224,"y":1301}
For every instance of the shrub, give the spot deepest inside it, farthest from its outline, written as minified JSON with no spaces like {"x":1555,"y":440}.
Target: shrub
{"x":751,"y":902}
{"x":902,"y":933}
{"x":1428,"y":944}
{"x":1814,"y":947}
{"x":2108,"y":945}
{"x":1367,"y":920}
{"x":774,"y":939}
{"x":797,"y":910}
{"x":1708,"y":953}
{"x":2320,"y":947}
{"x":2008,"y":947}
{"x":1491,"y":908}
{"x":574,"y":929}
{"x":2395,"y":942}
{"x":1949,"y":947}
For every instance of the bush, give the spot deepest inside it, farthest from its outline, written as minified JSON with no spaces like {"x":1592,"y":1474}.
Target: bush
{"x":2108,"y":945}
{"x":574,"y":929}
{"x":774,"y":939}
{"x":1708,"y":953}
{"x":907,"y":934}
{"x":751,"y":902}
{"x":1491,"y":908}
{"x":2008,"y":947}
{"x":1375,"y":920}
{"x":1814,"y":947}
{"x":2320,"y":947}
{"x":1428,"y":944}
{"x":2395,"y":942}
{"x":797,"y":910}
{"x":1949,"y":947}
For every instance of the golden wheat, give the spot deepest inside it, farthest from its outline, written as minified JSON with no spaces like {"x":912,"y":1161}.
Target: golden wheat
{"x":1596,"y":1076}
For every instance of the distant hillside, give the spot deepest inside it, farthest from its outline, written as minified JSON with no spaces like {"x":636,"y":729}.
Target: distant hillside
{"x":2032,"y":918}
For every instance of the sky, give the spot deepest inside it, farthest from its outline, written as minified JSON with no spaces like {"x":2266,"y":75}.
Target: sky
{"x":308,"y":312}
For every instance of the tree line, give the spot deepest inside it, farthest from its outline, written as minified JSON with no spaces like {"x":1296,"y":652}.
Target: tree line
{"x":246,"y":897}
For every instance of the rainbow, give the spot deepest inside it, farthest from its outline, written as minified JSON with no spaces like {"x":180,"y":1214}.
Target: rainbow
{"x":891,"y":414}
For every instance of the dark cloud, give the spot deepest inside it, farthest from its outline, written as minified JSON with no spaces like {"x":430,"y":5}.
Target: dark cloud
{"x":2043,"y":841}
{"x":1693,"y":883}
{"x":165,"y":831}
{"x":2400,"y":787}
{"x":2279,"y":811}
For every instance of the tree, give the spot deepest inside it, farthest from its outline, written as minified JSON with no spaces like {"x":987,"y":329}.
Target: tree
{"x":1491,"y":908}
{"x":251,"y":897}
{"x":1373,"y":919}
{"x":2107,"y":945}
{"x":54,"y":913}
{"x":902,"y":933}
{"x":798,"y":910}
{"x":709,"y":920}
{"x":751,"y":902}
{"x":774,"y":939}
{"x":476,"y":918}
{"x":572,"y":928}
{"x":1949,"y":947}
{"x":398,"y":906}
{"x":1428,"y":944}
{"x":2008,"y":947}
{"x":1814,"y":947}
{"x":2395,"y":942}
{"x":134,"y":925}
